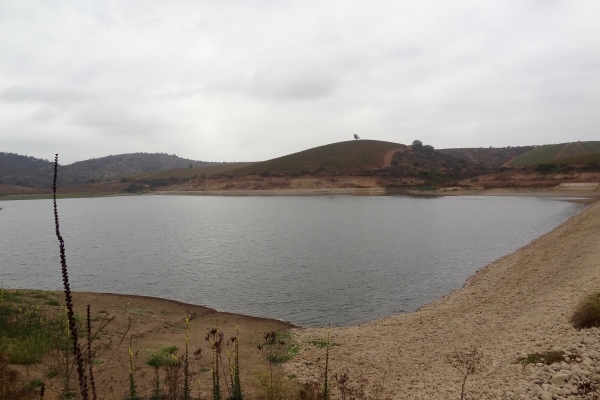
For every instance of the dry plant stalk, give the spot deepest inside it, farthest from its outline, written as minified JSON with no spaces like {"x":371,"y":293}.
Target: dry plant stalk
{"x":83,"y":387}
{"x":467,"y":362}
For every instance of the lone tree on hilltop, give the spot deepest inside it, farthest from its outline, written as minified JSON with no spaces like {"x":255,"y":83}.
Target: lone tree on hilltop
{"x":356,"y":137}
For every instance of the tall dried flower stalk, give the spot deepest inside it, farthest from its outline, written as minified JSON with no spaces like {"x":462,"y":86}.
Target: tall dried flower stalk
{"x":83,"y":388}
{"x":89,"y":348}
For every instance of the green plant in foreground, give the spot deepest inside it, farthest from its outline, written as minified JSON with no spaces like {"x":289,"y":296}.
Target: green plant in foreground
{"x":275,"y":350}
{"x":587,"y":312}
{"x":326,"y":376}
{"x":215,"y":338}
{"x":26,"y":334}
{"x":186,"y":362}
{"x":132,"y":388}
{"x":163,"y":357}
{"x":234,"y":366}
{"x":548,"y":358}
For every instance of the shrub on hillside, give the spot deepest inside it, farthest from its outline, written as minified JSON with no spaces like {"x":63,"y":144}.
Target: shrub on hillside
{"x":587,"y":312}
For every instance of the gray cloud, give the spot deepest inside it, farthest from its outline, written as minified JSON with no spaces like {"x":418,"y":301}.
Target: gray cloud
{"x":240,"y":80}
{"x":59,"y":95}
{"x":117,"y":120}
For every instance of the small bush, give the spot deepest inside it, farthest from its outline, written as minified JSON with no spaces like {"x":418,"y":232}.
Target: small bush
{"x":548,"y":358}
{"x":587,"y":312}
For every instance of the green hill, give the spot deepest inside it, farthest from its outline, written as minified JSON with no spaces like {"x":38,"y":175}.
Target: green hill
{"x":492,"y":157}
{"x":553,"y":153}
{"x":173,"y":176}
{"x":588,"y":159}
{"x":352,"y":155}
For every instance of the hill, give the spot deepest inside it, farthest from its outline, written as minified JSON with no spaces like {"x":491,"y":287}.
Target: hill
{"x":26,"y":171}
{"x":586,"y":161}
{"x":174,"y":176}
{"x":432,"y":166}
{"x":125,"y":164}
{"x":352,"y":155}
{"x":551,"y":153}
{"x":29,"y":171}
{"x":492,"y":157}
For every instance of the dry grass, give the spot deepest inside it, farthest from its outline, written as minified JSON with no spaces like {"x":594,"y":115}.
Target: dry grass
{"x":352,"y":155}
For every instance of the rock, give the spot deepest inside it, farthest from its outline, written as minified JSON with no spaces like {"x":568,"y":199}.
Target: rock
{"x":545,"y":396}
{"x":559,"y":379}
{"x":519,"y":391}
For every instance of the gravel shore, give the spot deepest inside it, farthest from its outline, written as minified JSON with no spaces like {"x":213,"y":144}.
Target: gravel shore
{"x":516,"y":306}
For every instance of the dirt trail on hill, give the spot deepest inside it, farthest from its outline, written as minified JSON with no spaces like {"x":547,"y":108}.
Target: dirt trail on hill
{"x":387,"y":159}
{"x":518,"y":305}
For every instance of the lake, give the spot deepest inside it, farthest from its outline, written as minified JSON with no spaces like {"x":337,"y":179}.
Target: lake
{"x":307,"y":260}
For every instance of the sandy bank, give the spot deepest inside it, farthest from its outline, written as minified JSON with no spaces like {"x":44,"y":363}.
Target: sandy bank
{"x":281,"y":192}
{"x":517,"y":305}
{"x":593,"y":193}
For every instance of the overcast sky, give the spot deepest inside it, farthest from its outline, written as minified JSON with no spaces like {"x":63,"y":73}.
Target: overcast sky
{"x":244,"y":80}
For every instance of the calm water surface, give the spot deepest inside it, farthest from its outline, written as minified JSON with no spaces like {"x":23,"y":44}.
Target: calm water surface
{"x":307,"y":260}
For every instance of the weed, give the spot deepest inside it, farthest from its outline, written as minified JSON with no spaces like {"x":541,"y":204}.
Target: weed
{"x":467,"y":362}
{"x":548,"y":358}
{"x":52,"y":372}
{"x":587,"y":312}
{"x":26,"y":336}
{"x":12,"y":386}
{"x":164,"y":357}
{"x":326,"y":377}
{"x":322,"y":343}
{"x":215,"y":338}
{"x":588,"y":390}
{"x":234,"y":366}
{"x":275,"y":351}
{"x":133,"y":395}
{"x":83,"y":390}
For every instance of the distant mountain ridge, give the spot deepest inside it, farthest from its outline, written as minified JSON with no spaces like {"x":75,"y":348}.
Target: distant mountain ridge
{"x":29,"y":171}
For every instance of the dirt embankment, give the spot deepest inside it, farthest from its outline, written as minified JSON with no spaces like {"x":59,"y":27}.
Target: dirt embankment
{"x":255,"y":182}
{"x":520,"y":178}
